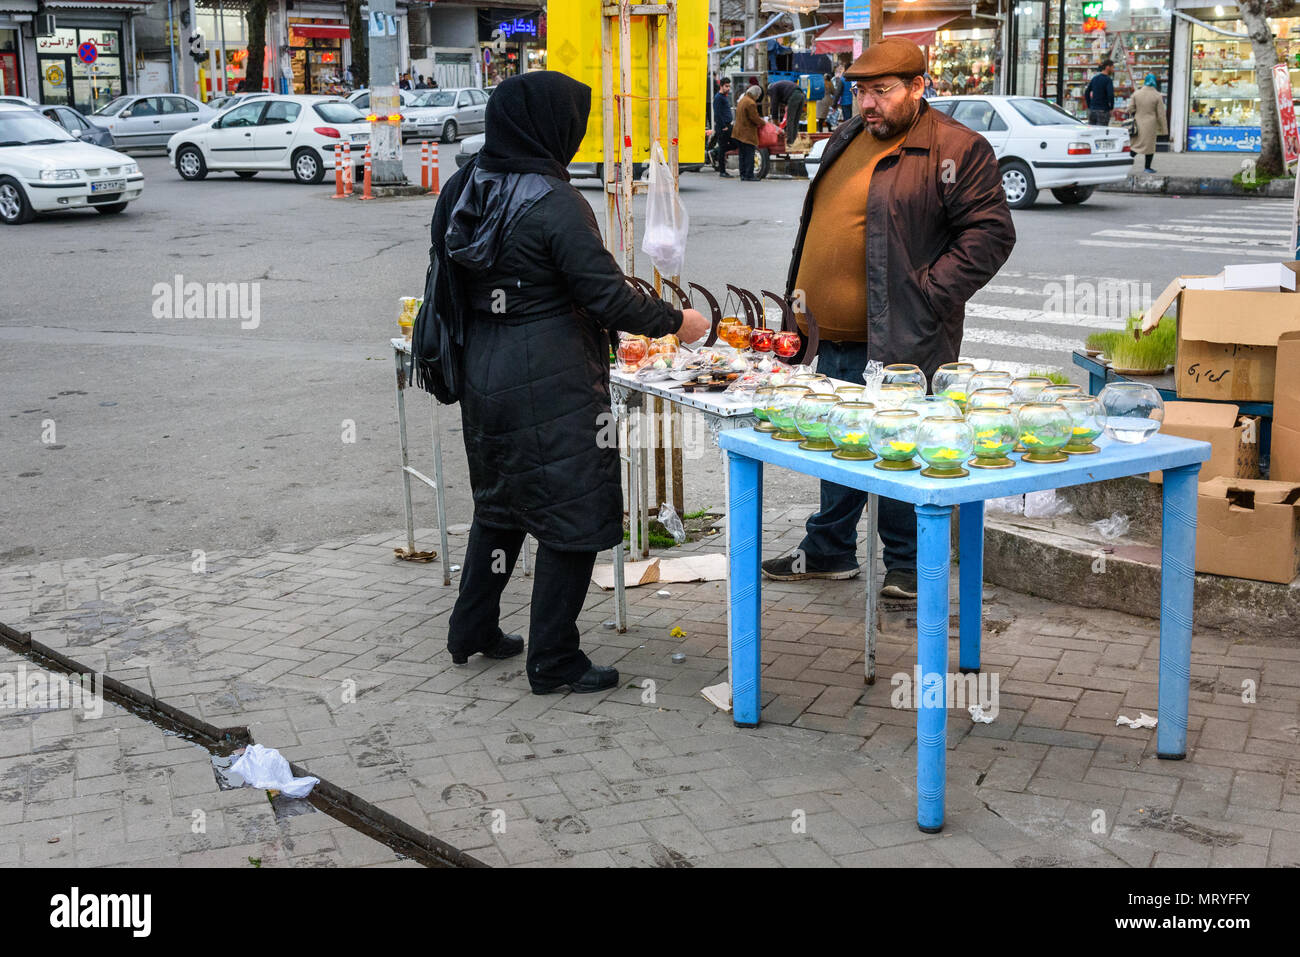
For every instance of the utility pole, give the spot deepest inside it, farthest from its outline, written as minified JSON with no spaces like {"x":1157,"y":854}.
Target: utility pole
{"x":385,"y":57}
{"x":751,"y":27}
{"x":877,"y":22}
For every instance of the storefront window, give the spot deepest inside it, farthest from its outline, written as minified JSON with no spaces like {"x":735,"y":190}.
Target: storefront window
{"x":1223,"y":108}
{"x":1035,"y":52}
{"x":67,"y":80}
{"x":1136,"y":34}
{"x":317,"y":53}
{"x":9,"y":82}
{"x":964,"y":61}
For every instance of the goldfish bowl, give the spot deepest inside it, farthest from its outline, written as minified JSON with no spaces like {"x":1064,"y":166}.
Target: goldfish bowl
{"x":990,"y":398}
{"x":905,"y":372}
{"x":761,"y":340}
{"x":815,"y":382}
{"x":1085,"y":414}
{"x":786,"y":344}
{"x":996,"y":433}
{"x":1054,"y":392}
{"x":810,"y":417}
{"x":954,"y":385}
{"x":1131,"y":411}
{"x":851,"y":393}
{"x":945,"y":442}
{"x":848,"y":427}
{"x":893,"y":436}
{"x":1045,"y":427}
{"x":764,"y":396}
{"x":1027,"y":387}
{"x":781,"y":412}
{"x":990,"y":379}
{"x":894,"y":395}
{"x":928,"y":405}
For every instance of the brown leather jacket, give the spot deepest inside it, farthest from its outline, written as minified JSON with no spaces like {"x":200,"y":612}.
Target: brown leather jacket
{"x":745,"y":128}
{"x":938,"y":228}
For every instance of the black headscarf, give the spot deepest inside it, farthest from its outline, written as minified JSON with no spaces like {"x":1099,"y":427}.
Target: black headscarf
{"x":534,"y":124}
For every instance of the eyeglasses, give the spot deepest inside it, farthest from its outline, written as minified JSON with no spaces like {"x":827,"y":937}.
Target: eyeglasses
{"x":876,"y":92}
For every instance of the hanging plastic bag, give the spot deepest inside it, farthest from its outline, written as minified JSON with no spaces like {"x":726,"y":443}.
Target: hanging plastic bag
{"x":666,"y":221}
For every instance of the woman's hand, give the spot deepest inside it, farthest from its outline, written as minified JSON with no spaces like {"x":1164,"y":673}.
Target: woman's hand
{"x":694,"y":326}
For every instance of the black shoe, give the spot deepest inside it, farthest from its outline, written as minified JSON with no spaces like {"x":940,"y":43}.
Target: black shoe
{"x":724,"y":174}
{"x":899,"y":583}
{"x":506,"y":646}
{"x":783,"y":569}
{"x":597,"y":678}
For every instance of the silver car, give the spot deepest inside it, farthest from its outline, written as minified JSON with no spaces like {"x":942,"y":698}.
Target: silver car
{"x":448,"y":113}
{"x":137,"y":121}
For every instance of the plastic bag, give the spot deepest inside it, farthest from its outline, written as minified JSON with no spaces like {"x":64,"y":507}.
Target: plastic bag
{"x":1112,"y":528}
{"x":1046,"y":504}
{"x":672,"y":524}
{"x":666,"y":222}
{"x":266,"y":768}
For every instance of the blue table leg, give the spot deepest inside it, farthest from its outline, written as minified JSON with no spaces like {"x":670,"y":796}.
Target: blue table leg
{"x":745,"y":548}
{"x":1177,"y":578}
{"x":933,"y":545}
{"x":970,"y":520}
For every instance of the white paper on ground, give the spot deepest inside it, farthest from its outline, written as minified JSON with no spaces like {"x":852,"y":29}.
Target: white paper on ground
{"x":695,"y":568}
{"x":977,"y":714}
{"x":1143,"y":720}
{"x":267,"y":768}
{"x":718,"y":695}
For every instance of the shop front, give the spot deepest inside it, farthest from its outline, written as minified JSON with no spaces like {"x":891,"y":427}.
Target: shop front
{"x":319,"y":49}
{"x":11,"y":74}
{"x":67,"y":78}
{"x":510,"y":42}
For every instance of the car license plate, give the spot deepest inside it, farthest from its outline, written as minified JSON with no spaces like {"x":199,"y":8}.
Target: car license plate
{"x":1105,"y":146}
{"x":108,"y":186}
{"x":360,"y":137}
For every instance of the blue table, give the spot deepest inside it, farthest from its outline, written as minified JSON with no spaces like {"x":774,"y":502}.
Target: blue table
{"x":1180,"y":459}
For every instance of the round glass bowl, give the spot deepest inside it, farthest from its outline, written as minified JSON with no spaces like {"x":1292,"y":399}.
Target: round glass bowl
{"x":786,"y":344}
{"x":905,"y":372}
{"x":893,"y":395}
{"x":781,"y":412}
{"x":763,"y":398}
{"x":893,"y":436}
{"x":761,"y":340}
{"x":945,"y":442}
{"x":953,"y":384}
{"x":991,"y":398}
{"x":736,"y":335}
{"x":1085,"y":416}
{"x":851,"y":393}
{"x":848,"y":426}
{"x":990,"y":379}
{"x":1045,"y":427}
{"x":810,"y":417}
{"x":1054,"y":392}
{"x":946,"y":373}
{"x":1027,"y":387}
{"x":996,"y":433}
{"x":928,"y":405}
{"x":1131,"y":411}
{"x":814,"y":381}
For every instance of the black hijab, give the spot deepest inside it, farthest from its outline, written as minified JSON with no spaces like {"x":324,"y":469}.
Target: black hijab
{"x":534,"y":124}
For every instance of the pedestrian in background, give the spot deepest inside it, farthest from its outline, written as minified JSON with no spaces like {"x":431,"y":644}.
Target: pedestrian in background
{"x":745,"y":130}
{"x":723,"y":118}
{"x":826,"y":103}
{"x":1148,"y":108}
{"x":1099,"y":95}
{"x":786,"y":102}
{"x":846,"y":94}
{"x":405,"y":82}
{"x":889,"y":249}
{"x":930,"y":91}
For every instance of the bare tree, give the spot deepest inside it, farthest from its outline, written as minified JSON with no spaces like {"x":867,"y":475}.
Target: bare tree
{"x":1255,"y":14}
{"x":256,"y":18}
{"x":360,"y":30}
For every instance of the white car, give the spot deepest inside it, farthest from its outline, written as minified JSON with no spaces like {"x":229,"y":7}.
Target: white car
{"x":361,"y":100}
{"x":292,"y":133}
{"x":44,"y":168}
{"x":1038,"y":146}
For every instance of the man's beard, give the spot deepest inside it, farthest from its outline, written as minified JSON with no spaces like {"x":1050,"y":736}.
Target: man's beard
{"x":887,"y":127}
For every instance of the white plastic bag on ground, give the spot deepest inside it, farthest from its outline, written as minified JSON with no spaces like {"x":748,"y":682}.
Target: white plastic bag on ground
{"x":666,"y":221}
{"x":267,"y":768}
{"x":672,"y":524}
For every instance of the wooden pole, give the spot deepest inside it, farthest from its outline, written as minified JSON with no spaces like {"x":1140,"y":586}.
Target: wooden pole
{"x":877,"y":31}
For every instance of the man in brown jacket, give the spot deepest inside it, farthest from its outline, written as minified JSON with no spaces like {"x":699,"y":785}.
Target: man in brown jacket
{"x":904,"y":222}
{"x":745,"y":130}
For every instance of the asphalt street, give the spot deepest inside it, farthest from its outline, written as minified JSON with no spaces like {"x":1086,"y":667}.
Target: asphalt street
{"x":124,"y":431}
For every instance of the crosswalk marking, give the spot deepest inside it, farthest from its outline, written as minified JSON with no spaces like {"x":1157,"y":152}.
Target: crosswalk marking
{"x":976,"y":310}
{"x":1218,"y":250}
{"x":1157,"y":234}
{"x":1190,"y":226}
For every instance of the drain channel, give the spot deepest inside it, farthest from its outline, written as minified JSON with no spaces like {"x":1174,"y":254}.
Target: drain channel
{"x":338,"y":803}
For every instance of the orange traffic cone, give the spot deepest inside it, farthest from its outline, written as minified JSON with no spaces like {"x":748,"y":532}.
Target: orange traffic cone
{"x":338,"y":172}
{"x":365,"y":194}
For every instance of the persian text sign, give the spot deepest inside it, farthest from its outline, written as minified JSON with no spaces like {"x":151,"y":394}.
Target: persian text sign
{"x":1286,"y":115}
{"x":573,"y":48}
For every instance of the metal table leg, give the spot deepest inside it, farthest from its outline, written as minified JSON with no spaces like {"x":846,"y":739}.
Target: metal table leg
{"x":873,"y":589}
{"x":439,"y":491}
{"x":970,"y":531}
{"x":744,"y":586}
{"x":1177,"y":580}
{"x":932,"y":566}
{"x":405,"y":458}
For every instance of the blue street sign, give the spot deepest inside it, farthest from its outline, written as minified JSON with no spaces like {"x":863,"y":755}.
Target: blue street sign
{"x":857,"y":14}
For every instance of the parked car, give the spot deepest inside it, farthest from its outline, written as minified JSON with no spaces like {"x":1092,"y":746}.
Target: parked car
{"x":289,"y":133}
{"x":76,"y":124}
{"x":137,"y":121}
{"x":361,"y":100}
{"x":44,"y":168}
{"x":15,"y":100}
{"x":1038,"y":146}
{"x":223,"y":103}
{"x":447,"y":113}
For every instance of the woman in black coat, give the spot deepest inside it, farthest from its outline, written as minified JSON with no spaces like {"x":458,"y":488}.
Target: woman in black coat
{"x":537,"y":298}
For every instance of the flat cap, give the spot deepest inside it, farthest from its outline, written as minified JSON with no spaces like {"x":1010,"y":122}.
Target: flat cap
{"x":894,"y":56}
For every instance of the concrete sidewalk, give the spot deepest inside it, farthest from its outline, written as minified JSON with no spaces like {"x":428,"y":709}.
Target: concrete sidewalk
{"x":1192,"y":174}
{"x":335,"y":654}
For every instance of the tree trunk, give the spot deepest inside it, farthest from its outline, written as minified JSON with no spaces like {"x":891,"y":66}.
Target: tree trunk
{"x":253,"y":72}
{"x":360,"y":29}
{"x":1254,"y":16}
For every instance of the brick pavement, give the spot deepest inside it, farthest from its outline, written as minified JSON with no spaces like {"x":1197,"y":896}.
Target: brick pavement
{"x":335,"y":655}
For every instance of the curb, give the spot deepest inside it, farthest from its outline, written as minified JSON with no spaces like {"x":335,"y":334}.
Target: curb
{"x":1198,"y":186}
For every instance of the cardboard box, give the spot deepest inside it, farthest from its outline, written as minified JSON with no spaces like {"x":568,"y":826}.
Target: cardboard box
{"x":1233,"y":438}
{"x":1285,"y":452}
{"x":1249,"y":529}
{"x":1260,"y":277}
{"x":1227,"y":339}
